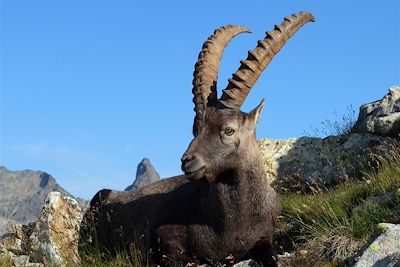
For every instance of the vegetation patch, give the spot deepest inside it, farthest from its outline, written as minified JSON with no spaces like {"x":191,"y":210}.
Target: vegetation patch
{"x":330,"y":227}
{"x":131,"y":257}
{"x":337,"y":126}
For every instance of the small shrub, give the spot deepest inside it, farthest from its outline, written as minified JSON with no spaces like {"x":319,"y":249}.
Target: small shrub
{"x":338,"y":126}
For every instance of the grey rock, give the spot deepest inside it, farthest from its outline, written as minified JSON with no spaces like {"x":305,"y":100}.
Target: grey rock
{"x":324,"y":161}
{"x":34,"y":265}
{"x":22,"y":260}
{"x":385,"y":250}
{"x":52,"y":240}
{"x":247,"y":263}
{"x":14,"y":241}
{"x":381,"y":117}
{"x":22,"y":196}
{"x":145,"y":174}
{"x":5,"y":223}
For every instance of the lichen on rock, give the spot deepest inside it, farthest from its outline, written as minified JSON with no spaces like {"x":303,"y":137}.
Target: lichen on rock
{"x":323,"y":160}
{"x":385,"y":250}
{"x":52,"y":240}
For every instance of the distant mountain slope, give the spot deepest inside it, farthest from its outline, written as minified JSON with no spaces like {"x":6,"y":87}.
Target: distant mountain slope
{"x":22,"y":194}
{"x":145,"y":174}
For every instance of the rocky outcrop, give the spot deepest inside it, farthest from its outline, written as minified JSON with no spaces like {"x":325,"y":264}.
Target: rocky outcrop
{"x":52,"y":240}
{"x":324,"y":161}
{"x":145,"y":174}
{"x":305,"y":161}
{"x":22,"y":195}
{"x":381,"y":117}
{"x":385,"y":250}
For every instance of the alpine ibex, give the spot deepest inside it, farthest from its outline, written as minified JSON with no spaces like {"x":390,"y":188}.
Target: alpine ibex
{"x":223,"y":207}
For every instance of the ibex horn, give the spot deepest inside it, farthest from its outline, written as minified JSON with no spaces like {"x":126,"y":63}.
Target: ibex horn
{"x":257,"y":60}
{"x":205,"y":73}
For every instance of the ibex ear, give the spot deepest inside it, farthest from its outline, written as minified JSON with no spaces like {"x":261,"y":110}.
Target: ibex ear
{"x":255,"y":114}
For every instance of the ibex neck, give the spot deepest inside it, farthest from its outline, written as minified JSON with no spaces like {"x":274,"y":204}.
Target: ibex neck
{"x":249,"y":170}
{"x":242,"y":193}
{"x":253,"y":165}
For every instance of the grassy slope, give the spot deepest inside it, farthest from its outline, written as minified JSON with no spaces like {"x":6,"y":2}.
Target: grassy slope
{"x":332,"y":226}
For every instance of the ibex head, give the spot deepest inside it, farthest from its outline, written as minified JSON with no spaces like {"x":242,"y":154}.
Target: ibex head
{"x":224,"y":136}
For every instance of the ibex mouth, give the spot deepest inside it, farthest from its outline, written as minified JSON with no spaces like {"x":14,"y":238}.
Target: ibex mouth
{"x":195,"y":175}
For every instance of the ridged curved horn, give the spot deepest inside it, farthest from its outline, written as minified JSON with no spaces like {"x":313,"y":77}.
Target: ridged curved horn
{"x":257,"y":60}
{"x":205,"y":73}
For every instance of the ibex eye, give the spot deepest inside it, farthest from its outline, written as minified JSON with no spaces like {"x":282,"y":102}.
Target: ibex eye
{"x":229,"y":131}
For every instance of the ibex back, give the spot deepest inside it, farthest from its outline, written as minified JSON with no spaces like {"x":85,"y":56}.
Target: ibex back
{"x":222,"y":209}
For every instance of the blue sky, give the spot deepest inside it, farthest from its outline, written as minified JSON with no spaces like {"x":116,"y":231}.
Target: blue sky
{"x":89,"y":88}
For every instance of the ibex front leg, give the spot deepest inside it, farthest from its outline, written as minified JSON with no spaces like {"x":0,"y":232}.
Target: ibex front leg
{"x":263,"y":253}
{"x":172,"y":244}
{"x":177,"y":242}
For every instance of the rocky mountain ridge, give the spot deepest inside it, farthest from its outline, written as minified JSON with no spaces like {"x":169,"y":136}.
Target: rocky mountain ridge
{"x":23,"y":193}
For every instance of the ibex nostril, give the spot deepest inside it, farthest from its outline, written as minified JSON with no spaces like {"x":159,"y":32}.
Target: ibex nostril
{"x":187,"y":158}
{"x":187,"y":162}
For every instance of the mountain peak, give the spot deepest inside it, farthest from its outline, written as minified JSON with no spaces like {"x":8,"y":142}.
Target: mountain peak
{"x":145,"y":174}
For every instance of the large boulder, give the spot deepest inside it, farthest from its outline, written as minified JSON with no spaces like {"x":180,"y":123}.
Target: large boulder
{"x":52,"y":240}
{"x":307,"y":162}
{"x":145,"y":174}
{"x":385,"y":250}
{"x":323,"y":161}
{"x":381,"y":117}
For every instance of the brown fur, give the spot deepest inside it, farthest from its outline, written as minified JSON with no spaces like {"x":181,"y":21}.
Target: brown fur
{"x":223,"y":205}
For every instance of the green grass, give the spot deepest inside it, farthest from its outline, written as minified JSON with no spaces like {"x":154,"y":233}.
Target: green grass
{"x":335,"y":224}
{"x":123,"y":258}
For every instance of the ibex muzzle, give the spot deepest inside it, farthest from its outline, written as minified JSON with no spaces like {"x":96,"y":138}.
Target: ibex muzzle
{"x":193,"y":165}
